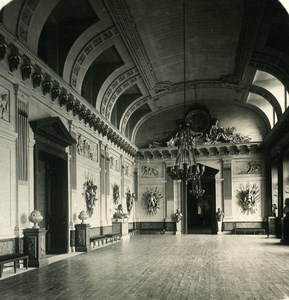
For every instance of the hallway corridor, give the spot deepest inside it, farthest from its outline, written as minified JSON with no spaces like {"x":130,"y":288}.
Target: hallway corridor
{"x":201,"y":267}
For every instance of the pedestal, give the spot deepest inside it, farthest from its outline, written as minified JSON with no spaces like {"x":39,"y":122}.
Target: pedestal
{"x":82,"y":238}
{"x":120,"y":226}
{"x":271,"y":226}
{"x":35,"y":246}
{"x":178,"y":227}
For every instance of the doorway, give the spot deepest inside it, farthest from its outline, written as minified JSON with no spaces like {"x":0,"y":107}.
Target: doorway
{"x":201,"y":211}
{"x":52,"y":200}
{"x":51,"y":180}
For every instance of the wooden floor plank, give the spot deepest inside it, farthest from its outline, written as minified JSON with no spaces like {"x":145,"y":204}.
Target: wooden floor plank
{"x":163,"y":267}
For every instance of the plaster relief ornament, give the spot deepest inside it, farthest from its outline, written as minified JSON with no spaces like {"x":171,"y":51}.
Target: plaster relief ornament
{"x":90,"y":190}
{"x":4,"y":107}
{"x":152,"y":200}
{"x":248,"y":197}
{"x":129,"y":200}
{"x":115,"y":193}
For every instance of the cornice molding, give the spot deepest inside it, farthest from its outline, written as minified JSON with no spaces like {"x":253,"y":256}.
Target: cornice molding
{"x":218,"y":151}
{"x":45,"y":80}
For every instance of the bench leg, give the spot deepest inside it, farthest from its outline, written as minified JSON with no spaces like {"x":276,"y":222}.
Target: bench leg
{"x":15,"y":265}
{"x":1,"y":270}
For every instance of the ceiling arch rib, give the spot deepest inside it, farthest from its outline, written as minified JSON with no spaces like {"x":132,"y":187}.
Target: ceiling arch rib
{"x":273,"y":65}
{"x":129,"y":111}
{"x":271,"y":109}
{"x":125,"y":99}
{"x":121,"y":89}
{"x":32,"y":19}
{"x":273,"y":85}
{"x":258,"y":101}
{"x":108,"y":93}
{"x":89,"y":53}
{"x":101,"y":70}
{"x":84,"y":39}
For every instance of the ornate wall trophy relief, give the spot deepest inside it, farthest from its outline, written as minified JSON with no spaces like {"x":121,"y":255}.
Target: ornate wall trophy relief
{"x":115,"y":194}
{"x":129,"y":200}
{"x":90,"y":190}
{"x":151,"y":200}
{"x":248,"y":196}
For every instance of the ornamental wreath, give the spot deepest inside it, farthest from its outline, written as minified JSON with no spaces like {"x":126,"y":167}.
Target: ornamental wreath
{"x":152,"y":198}
{"x":115,"y":193}
{"x":248,"y":196}
{"x":90,"y":190}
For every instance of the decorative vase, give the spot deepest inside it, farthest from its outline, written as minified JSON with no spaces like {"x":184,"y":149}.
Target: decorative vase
{"x":35,"y":217}
{"x":83,"y":216}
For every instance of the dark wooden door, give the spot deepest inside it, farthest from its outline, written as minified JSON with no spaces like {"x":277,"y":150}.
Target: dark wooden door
{"x":201,"y":211}
{"x":55,"y":202}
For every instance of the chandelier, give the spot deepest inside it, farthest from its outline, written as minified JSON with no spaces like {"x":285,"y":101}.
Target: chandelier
{"x":186,"y":167}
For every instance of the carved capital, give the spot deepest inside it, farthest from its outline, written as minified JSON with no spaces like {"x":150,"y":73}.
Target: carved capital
{"x":26,"y":70}
{"x":87,"y":116}
{"x":82,"y":112}
{"x":70,"y":103}
{"x":55,"y":92}
{"x":3,"y":48}
{"x":36,"y":79}
{"x":76,"y":107}
{"x":47,"y":85}
{"x":14,"y":60}
{"x":63,"y":98}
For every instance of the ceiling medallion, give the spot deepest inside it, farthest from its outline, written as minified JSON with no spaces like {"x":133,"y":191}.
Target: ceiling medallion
{"x":199,"y":119}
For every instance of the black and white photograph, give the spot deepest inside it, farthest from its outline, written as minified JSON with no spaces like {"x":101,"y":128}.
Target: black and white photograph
{"x":144,"y":149}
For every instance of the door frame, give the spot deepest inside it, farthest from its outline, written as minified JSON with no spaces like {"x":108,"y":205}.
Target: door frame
{"x":52,"y":137}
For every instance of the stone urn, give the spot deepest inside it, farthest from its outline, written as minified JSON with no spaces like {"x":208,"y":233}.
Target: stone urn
{"x":83,"y":216}
{"x":35,"y":217}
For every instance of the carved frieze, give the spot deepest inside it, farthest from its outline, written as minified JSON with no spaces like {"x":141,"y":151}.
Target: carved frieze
{"x":87,"y":148}
{"x":114,"y":163}
{"x":150,"y":172}
{"x":248,"y":167}
{"x":4,"y":106}
{"x":127,"y":169}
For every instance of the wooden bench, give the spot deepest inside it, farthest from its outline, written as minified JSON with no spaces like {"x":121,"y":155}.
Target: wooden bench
{"x":152,"y":227}
{"x":133,"y":231}
{"x":15,"y":258}
{"x":100,"y":239}
{"x":249,"y":230}
{"x":113,"y":237}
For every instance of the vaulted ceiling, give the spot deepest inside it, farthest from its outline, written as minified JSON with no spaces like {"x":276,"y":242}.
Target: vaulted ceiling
{"x":143,"y":64}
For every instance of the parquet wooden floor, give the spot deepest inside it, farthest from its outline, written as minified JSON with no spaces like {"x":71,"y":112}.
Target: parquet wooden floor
{"x":163,"y":267}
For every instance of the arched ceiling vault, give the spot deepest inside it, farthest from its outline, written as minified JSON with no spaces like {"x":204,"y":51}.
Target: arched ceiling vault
{"x":139,"y":53}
